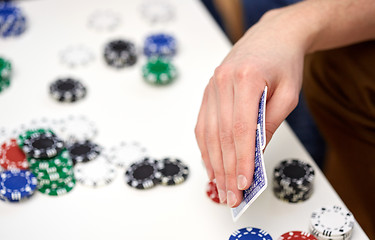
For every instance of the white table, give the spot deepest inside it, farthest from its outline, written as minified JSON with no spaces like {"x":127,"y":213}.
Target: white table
{"x":126,"y":108}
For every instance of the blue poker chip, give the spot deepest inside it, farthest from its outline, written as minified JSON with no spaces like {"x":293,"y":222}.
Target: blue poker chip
{"x":16,"y":185}
{"x":12,"y":20}
{"x":250,"y":233}
{"x":160,"y":45}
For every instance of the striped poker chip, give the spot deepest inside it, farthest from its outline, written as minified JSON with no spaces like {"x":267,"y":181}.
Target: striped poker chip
{"x":331,"y":222}
{"x":12,"y":20}
{"x":297,"y":235}
{"x":157,"y":11}
{"x":126,"y":153}
{"x":173,"y":171}
{"x":42,"y":145}
{"x":16,"y":184}
{"x":83,"y":151}
{"x":67,"y":90}
{"x":104,"y":20}
{"x":96,"y":173}
{"x":12,"y":156}
{"x":58,"y":190}
{"x":212,"y":192}
{"x":77,"y":128}
{"x":76,"y":55}
{"x":120,"y":53}
{"x":143,"y":174}
{"x":160,"y":45}
{"x":250,"y":233}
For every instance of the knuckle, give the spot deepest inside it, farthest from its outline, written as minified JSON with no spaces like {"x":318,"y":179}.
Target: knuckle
{"x":226,"y":138}
{"x":219,"y":174}
{"x":242,"y":74}
{"x":198,"y":131}
{"x":240,"y":129}
{"x":210,"y":137}
{"x":220,"y":75}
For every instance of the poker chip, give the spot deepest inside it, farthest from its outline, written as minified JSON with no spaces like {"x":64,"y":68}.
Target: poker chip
{"x":84,"y":151}
{"x":77,"y":128}
{"x":104,"y":20}
{"x":12,"y":156}
{"x":159,"y":71}
{"x":76,"y":55}
{"x":293,"y":180}
{"x":212,"y":191}
{"x":126,"y":153}
{"x":160,"y":45}
{"x":60,"y":160}
{"x":173,"y":171}
{"x":3,"y":134}
{"x":40,"y":123}
{"x":12,"y":20}
{"x":156,"y":11}
{"x":60,"y":190}
{"x":96,"y":173}
{"x":250,"y":233}
{"x":331,"y":222}
{"x":297,"y":235}
{"x":5,"y":73}
{"x":16,"y":185}
{"x":67,"y":90}
{"x":143,"y":174}
{"x":120,"y":53}
{"x":41,"y":144}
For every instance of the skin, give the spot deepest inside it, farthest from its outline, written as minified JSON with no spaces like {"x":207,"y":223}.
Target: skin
{"x":270,"y":54}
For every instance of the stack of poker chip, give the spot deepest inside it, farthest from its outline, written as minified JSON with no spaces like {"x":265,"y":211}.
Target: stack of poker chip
{"x":293,"y":181}
{"x":17,"y":185}
{"x":5,"y":74}
{"x":12,"y":20}
{"x":159,"y":49}
{"x":331,"y":223}
{"x":250,"y":233}
{"x":297,"y":235}
{"x":67,"y":90}
{"x":120,"y":53}
{"x":49,"y":161}
{"x":149,"y":172}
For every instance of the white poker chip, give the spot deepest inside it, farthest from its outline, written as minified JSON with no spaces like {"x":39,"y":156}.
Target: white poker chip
{"x":3,"y":135}
{"x":76,"y":55}
{"x":156,"y":11}
{"x":332,"y":222}
{"x":104,"y":20}
{"x":96,"y":173}
{"x":76,"y":128}
{"x":126,"y":154}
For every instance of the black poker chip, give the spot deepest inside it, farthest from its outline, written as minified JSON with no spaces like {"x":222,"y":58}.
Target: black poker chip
{"x":84,"y":151}
{"x":42,"y":145}
{"x":120,"y":53}
{"x":67,"y":90}
{"x":143,"y":174}
{"x":173,"y":171}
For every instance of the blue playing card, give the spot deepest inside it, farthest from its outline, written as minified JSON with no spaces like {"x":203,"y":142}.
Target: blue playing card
{"x":262,"y":118}
{"x":259,"y":183}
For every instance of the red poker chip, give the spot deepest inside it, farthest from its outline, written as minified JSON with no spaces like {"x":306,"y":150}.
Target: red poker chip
{"x":212,"y":192}
{"x":297,"y":235}
{"x":12,"y":156}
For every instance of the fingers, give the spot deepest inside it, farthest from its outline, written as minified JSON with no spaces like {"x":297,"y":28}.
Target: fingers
{"x":224,"y":98}
{"x":199,"y":135}
{"x":212,"y":141}
{"x":246,"y":103}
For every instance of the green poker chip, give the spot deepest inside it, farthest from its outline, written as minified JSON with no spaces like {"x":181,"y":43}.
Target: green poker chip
{"x":62,"y":159}
{"x":5,"y":73}
{"x":45,"y":183}
{"x":28,"y":133}
{"x":159,"y":71}
{"x":56,"y":175}
{"x":59,"y":190}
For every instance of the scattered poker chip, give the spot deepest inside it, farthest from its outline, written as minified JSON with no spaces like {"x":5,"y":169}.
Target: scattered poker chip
{"x":250,"y":233}
{"x":84,"y":151}
{"x":143,"y":174}
{"x":159,"y":71}
{"x":12,"y":156}
{"x":42,"y":144}
{"x":16,"y":184}
{"x":120,"y":53}
{"x":67,"y":90}
{"x":4,"y":134}
{"x":60,"y":160}
{"x":104,"y":20}
{"x":173,"y":171}
{"x":96,"y":173}
{"x":126,"y":153}
{"x":293,"y":181}
{"x":77,"y":128}
{"x":5,"y":73}
{"x":41,"y":123}
{"x":12,"y":20}
{"x":297,"y":235}
{"x":60,"y":190}
{"x":157,"y":11}
{"x":160,"y":45}
{"x":77,"y":55}
{"x":331,"y":222}
{"x":212,"y":191}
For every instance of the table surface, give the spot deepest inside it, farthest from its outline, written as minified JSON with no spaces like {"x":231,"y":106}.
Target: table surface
{"x":124,"y":107}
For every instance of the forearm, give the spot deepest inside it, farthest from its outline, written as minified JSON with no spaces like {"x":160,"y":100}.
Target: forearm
{"x":324,"y":24}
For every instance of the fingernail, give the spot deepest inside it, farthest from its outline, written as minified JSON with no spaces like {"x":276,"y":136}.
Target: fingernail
{"x":221,"y":196}
{"x":241,"y":182}
{"x":231,"y":199}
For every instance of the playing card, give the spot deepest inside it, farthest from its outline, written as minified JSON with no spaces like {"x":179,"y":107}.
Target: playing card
{"x":262,"y":118}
